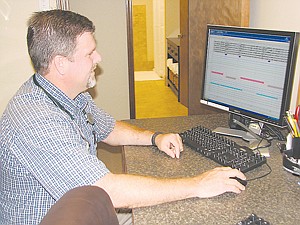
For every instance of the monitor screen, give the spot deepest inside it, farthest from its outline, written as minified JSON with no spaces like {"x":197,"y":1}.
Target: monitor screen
{"x":250,"y":72}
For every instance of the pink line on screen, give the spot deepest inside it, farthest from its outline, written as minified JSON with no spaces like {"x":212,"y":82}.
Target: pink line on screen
{"x":216,"y":72}
{"x":252,"y":80}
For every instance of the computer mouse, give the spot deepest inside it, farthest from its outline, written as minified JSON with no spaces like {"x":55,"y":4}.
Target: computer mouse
{"x":243,"y":182}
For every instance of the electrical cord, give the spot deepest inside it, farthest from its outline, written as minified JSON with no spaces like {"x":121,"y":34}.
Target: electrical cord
{"x":264,"y":175}
{"x":263,"y":137}
{"x":273,"y":132}
{"x":269,"y":132}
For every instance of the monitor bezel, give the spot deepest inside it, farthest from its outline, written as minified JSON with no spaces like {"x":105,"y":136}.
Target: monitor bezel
{"x":289,"y":76}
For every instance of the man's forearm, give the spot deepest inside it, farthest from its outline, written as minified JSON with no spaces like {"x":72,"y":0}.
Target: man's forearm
{"x":126,"y":134}
{"x":137,"y":191}
{"x":130,"y":191}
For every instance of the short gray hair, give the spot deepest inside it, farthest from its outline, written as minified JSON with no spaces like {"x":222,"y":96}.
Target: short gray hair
{"x":52,"y":33}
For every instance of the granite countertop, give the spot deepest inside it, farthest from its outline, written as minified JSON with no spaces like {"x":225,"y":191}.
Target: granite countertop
{"x":275,"y":198}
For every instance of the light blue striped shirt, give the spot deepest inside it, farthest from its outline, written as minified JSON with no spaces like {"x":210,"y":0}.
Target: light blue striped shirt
{"x":44,"y":152}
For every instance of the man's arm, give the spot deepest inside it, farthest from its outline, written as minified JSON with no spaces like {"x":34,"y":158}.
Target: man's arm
{"x":126,"y":134}
{"x":137,"y":191}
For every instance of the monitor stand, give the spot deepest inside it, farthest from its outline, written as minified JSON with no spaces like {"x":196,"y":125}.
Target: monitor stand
{"x":253,"y":139}
{"x":235,"y":133}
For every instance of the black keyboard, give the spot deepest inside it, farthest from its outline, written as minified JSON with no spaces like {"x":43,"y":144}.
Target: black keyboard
{"x":221,"y":149}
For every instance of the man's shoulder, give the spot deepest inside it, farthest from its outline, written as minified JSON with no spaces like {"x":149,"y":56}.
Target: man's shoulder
{"x":27,"y":91}
{"x":29,"y":104}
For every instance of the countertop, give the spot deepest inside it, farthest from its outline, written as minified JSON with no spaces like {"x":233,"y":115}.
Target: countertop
{"x":275,"y":198}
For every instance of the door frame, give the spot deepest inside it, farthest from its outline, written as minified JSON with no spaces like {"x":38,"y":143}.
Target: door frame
{"x":157,"y":67}
{"x":130,"y":59}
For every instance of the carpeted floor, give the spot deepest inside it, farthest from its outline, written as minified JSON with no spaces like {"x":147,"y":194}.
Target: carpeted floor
{"x":146,"y":75}
{"x":154,"y":99}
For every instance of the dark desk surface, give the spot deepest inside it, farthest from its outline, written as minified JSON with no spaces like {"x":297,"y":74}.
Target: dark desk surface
{"x":276,"y":197}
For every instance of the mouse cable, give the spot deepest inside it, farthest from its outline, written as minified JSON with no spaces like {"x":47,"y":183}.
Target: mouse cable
{"x":264,"y":175}
{"x":256,"y":149}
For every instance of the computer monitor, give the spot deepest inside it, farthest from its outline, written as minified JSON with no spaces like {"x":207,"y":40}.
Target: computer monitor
{"x":250,"y":72}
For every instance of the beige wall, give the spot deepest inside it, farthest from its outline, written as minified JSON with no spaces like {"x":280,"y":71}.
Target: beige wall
{"x":149,"y":24}
{"x":278,"y":15}
{"x":109,"y":17}
{"x":112,"y":90}
{"x":172,"y":18}
{"x":142,"y":17}
{"x":15,"y":66}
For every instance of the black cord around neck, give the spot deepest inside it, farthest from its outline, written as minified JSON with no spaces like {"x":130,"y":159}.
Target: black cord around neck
{"x":52,"y":98}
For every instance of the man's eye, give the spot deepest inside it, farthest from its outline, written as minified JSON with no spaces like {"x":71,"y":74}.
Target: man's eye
{"x":89,"y":55}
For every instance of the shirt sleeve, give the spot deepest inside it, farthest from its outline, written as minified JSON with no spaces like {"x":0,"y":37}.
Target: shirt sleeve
{"x":51,"y":148}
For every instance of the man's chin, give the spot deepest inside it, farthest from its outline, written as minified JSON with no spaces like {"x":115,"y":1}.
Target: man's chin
{"x":91,"y":83}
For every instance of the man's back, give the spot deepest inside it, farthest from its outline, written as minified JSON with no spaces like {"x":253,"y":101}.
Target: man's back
{"x":18,"y":186}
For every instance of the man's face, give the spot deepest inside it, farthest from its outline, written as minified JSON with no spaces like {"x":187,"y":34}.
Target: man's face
{"x":83,"y":63}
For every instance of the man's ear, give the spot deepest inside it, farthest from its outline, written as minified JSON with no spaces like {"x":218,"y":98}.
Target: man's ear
{"x":60,"y":63}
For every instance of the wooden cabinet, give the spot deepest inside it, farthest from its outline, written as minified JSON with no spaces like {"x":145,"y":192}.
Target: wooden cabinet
{"x":173,"y":65}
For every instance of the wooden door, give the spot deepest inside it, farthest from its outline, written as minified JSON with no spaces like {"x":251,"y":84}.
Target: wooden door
{"x":201,"y":13}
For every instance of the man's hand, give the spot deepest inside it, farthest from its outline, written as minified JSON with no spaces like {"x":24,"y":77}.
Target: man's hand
{"x":218,"y":181}
{"x":171,"y":144}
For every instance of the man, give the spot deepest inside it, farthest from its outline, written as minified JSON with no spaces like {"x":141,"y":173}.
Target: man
{"x":50,"y":128}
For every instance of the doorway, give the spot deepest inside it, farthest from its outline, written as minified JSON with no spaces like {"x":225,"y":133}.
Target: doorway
{"x":151,"y":24}
{"x":148,"y":23}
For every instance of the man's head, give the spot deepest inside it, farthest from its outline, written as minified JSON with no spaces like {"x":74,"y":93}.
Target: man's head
{"x":52,"y":33}
{"x":62,"y":48}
